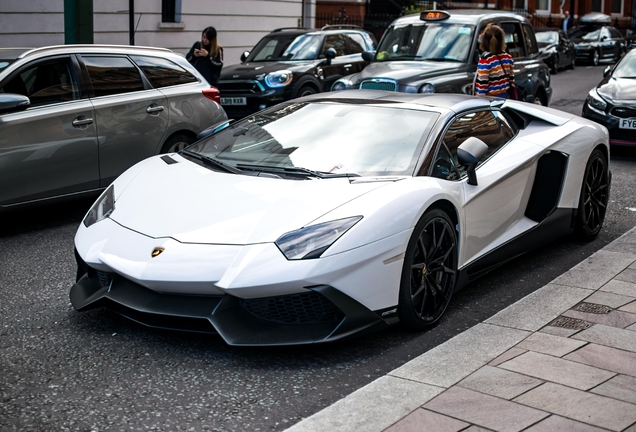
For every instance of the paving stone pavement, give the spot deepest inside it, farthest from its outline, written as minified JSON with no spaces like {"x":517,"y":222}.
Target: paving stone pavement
{"x":561,"y":359}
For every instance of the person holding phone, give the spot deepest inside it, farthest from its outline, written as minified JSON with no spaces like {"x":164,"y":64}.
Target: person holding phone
{"x":207,"y":56}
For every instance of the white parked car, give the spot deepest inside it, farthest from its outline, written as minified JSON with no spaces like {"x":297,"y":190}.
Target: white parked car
{"x":339,"y":214}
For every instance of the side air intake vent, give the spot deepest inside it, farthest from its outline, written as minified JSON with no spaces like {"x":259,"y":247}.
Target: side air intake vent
{"x":547,"y":187}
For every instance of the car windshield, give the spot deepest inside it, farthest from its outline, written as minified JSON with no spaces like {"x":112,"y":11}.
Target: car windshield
{"x":586,"y":34}
{"x":323,"y":137}
{"x":626,"y":68}
{"x":282,"y":46}
{"x":547,"y":37}
{"x":421,"y":41}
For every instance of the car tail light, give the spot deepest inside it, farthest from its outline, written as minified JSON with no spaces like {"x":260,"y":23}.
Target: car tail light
{"x":213,"y":94}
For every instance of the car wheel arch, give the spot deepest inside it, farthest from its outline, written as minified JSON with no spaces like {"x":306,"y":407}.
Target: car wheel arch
{"x":306,"y":81}
{"x":191,"y":136}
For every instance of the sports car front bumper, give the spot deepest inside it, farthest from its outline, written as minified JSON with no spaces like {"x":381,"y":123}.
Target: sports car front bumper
{"x":320,"y":314}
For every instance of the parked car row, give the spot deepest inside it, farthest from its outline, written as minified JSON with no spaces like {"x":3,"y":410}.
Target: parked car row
{"x":432,"y":52}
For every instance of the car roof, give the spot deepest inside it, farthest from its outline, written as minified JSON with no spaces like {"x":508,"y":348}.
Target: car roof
{"x":328,"y":29}
{"x":442,"y":103}
{"x":20,"y":53}
{"x":463,"y":16}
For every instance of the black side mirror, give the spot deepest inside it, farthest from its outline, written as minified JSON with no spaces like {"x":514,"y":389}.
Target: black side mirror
{"x":10,"y":102}
{"x":606,"y":71}
{"x":213,"y":129}
{"x":368,"y":55}
{"x":469,"y":153}
{"x":329,"y":55}
{"x":245,"y":55}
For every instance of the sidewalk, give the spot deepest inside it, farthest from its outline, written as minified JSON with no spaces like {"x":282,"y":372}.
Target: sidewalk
{"x":561,"y":359}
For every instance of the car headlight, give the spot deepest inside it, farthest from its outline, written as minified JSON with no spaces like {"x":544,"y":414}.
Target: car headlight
{"x":596,"y":102}
{"x":103,"y":207}
{"x":279,"y":78}
{"x":312,"y":241}
{"x":427,"y":88}
{"x":338,"y":85}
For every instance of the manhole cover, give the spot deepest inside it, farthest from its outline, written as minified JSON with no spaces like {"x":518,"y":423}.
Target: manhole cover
{"x":570,"y":323}
{"x":592,"y":308}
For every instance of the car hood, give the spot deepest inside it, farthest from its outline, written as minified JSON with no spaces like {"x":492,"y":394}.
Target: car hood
{"x":194,"y":204}
{"x":618,"y":90}
{"x":252,"y":69}
{"x":407,"y":71}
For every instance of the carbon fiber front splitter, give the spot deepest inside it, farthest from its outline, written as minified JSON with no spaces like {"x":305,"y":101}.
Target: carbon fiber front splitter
{"x":225,"y":315}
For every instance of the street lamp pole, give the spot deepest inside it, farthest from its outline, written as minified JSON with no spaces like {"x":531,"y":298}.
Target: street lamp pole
{"x":131,"y":21}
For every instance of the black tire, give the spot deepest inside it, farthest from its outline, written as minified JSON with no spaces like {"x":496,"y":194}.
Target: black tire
{"x":305,"y":90}
{"x":572,"y":64}
{"x":540,"y":98}
{"x":596,"y":57}
{"x":554,"y":69}
{"x":594,"y":197}
{"x":176,"y":142}
{"x":429,"y":272}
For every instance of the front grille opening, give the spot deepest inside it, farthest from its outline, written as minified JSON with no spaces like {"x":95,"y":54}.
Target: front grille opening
{"x":105,"y":278}
{"x":304,"y":308}
{"x":378,"y":85}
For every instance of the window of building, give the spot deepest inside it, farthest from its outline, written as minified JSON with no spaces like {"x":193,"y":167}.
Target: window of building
{"x":171,"y":11}
{"x":617,"y":7}
{"x":543,"y":5}
{"x":597,"y":5}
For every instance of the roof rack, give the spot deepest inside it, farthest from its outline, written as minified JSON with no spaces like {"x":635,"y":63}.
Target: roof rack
{"x":52,"y":47}
{"x":290,"y":28}
{"x":341,"y":26}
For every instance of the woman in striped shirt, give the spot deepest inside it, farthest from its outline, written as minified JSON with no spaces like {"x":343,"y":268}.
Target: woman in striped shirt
{"x":495,"y":70}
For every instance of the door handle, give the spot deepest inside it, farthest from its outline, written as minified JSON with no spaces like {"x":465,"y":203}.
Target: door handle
{"x":82,"y":121}
{"x":154,"y":108}
{"x":347,"y":66}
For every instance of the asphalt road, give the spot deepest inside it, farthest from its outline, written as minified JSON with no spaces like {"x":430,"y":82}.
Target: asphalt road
{"x":64,"y":370}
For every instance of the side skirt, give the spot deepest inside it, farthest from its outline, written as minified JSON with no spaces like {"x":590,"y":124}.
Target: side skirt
{"x":559,"y":224}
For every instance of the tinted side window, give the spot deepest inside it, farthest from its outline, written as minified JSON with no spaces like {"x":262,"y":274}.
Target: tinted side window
{"x":336,"y":42}
{"x":112,"y":75}
{"x":615,"y":33}
{"x":45,"y":82}
{"x":514,"y":40}
{"x":354,"y":44}
{"x":531,"y":40}
{"x":488,"y":126}
{"x":163,"y":73}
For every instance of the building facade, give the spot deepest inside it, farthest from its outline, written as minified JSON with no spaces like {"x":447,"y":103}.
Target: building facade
{"x":173,"y":24}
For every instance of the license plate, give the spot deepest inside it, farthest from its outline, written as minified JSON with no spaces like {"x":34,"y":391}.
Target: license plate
{"x":233,"y":101}
{"x":629,"y":123}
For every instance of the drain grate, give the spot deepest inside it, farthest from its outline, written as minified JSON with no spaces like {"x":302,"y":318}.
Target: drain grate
{"x":592,"y":308}
{"x":570,"y":323}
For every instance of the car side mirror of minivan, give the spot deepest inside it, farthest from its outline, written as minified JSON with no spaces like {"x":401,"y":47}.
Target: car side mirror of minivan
{"x":368,"y":55}
{"x":10,"y":102}
{"x":329,"y":55}
{"x":606,"y":71}
{"x":245,"y":55}
{"x":469,"y":153}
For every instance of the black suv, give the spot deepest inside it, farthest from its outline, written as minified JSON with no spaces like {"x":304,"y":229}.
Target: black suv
{"x":289,"y":63}
{"x":438,"y":51}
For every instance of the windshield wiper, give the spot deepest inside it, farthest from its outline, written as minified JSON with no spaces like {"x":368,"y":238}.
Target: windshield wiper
{"x":211,"y":162}
{"x":295,"y":171}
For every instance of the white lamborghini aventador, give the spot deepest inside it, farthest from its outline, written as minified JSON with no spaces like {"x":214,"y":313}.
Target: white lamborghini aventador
{"x":338,"y":214}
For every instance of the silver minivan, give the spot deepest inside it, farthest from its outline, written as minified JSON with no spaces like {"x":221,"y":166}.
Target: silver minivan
{"x":74,"y":117}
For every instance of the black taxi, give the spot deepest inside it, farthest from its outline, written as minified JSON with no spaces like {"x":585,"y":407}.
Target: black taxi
{"x":292,"y":62}
{"x":438,"y":51}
